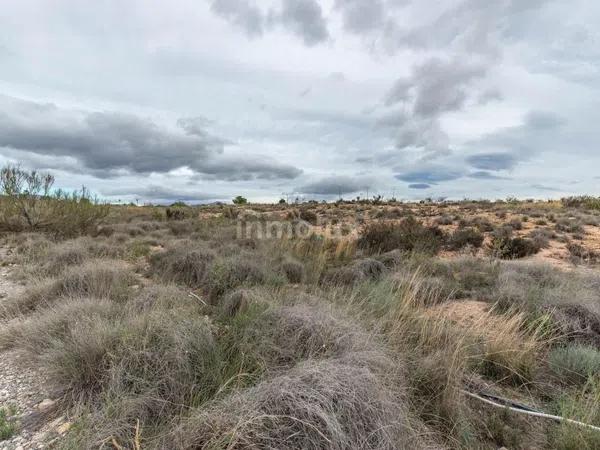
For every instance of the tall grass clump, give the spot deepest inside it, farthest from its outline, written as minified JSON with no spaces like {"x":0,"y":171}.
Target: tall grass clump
{"x":184,"y":263}
{"x":95,"y":278}
{"x":583,"y":406}
{"x":228,"y":273}
{"x":336,"y":404}
{"x":571,"y":299}
{"x":435,"y":354}
{"x":144,"y":361}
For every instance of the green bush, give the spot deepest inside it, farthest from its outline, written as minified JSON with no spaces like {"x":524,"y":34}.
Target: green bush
{"x":239,"y":200}
{"x":575,"y":363}
{"x":7,"y":426}
{"x":504,"y":246}
{"x":409,"y":235}
{"x":584,"y":201}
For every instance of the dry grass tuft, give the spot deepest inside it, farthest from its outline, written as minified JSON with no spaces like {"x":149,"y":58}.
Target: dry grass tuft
{"x":95,"y":278}
{"x":335,"y":404}
{"x":183,"y":263}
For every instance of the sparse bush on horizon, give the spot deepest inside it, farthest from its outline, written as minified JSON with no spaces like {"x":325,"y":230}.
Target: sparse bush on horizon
{"x":27,"y":202}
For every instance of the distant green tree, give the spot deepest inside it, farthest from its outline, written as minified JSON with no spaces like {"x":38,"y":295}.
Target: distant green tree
{"x":239,"y":200}
{"x":282,"y":201}
{"x":179,"y":204}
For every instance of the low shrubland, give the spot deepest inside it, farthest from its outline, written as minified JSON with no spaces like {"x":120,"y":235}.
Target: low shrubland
{"x":176,"y":334}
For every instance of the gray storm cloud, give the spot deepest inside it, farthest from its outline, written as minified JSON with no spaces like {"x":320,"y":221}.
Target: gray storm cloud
{"x":302,"y":18}
{"x":336,"y":185}
{"x":108,"y":142}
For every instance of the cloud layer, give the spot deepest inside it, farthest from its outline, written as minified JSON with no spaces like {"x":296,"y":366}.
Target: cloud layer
{"x":208,"y":100}
{"x":111,"y":143}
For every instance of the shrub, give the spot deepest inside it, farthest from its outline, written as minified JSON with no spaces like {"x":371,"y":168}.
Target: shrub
{"x":391,"y":259}
{"x":29,"y":203}
{"x":284,"y":335}
{"x":360,"y":271}
{"x":584,"y":201}
{"x":516,"y":224}
{"x":570,"y":226}
{"x":239,"y":200}
{"x":309,"y":216}
{"x":444,"y":220}
{"x":237,"y":301}
{"x":182,"y":263}
{"x":504,"y":246}
{"x":128,"y":365}
{"x":179,"y":228}
{"x":466,"y":277}
{"x":64,"y":255}
{"x":541,"y":237}
{"x":293,"y":270}
{"x":482,"y":224}
{"x":392,"y":213}
{"x":24,"y":192}
{"x":463,"y":237}
{"x":319,"y":404}
{"x":581,"y":254}
{"x":578,"y":322}
{"x":232,"y":272}
{"x":95,"y":278}
{"x":408,"y":235}
{"x":570,"y":299}
{"x":370,"y":268}
{"x":574,"y":363}
{"x":176,"y":212}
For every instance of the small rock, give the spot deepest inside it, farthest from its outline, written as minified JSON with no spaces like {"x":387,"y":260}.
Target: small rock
{"x":46,"y":404}
{"x":62,"y":429}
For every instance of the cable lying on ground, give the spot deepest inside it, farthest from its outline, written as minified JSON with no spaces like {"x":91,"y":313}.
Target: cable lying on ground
{"x":522,"y":409}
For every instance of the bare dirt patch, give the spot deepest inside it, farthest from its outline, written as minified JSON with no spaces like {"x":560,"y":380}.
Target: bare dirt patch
{"x":29,"y":407}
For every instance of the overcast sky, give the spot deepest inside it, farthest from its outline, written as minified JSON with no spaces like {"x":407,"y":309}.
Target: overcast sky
{"x":204,"y":100}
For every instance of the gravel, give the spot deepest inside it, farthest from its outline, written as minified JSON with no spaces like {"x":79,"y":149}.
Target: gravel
{"x":22,"y":393}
